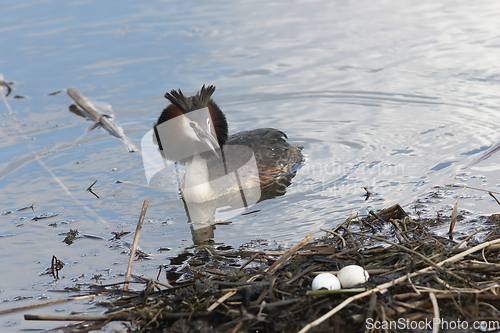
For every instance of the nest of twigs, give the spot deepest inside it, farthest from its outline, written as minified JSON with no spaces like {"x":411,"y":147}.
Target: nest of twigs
{"x":418,"y":282}
{"x":416,"y":278}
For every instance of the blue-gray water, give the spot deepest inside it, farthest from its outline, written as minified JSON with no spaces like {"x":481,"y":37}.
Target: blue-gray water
{"x":394,"y":96}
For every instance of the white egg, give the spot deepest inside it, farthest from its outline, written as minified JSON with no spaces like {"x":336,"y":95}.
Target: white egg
{"x":352,"y":275}
{"x":325,"y":281}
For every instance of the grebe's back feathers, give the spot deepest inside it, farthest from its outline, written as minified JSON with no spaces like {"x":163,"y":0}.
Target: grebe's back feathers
{"x":275,"y":158}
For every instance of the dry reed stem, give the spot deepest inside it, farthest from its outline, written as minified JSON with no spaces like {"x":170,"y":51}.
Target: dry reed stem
{"x":454,"y":213}
{"x":288,"y":254}
{"x":472,"y":188}
{"x":120,"y":317}
{"x":32,"y":306}
{"x":134,"y":244}
{"x":435,"y":306}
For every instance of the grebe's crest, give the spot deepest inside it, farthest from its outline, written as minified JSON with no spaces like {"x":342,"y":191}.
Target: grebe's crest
{"x":186,"y":104}
{"x":190,"y":126}
{"x":183,"y":105}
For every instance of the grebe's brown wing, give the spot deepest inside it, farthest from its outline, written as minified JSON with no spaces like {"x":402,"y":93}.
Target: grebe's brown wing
{"x":276,"y":162}
{"x":275,"y":157}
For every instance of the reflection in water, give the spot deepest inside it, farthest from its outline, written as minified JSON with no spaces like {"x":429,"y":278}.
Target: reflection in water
{"x":204,"y":215}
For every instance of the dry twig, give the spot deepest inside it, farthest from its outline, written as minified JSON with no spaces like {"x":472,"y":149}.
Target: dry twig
{"x":134,"y":244}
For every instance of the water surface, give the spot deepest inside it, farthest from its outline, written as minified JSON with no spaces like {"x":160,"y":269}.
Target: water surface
{"x":397,"y":97}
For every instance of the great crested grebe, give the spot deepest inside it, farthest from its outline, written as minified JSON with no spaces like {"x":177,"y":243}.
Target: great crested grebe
{"x":194,"y":132}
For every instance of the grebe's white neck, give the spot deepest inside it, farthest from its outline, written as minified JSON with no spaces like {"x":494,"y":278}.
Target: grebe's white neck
{"x":195,"y":186}
{"x":222,"y":178}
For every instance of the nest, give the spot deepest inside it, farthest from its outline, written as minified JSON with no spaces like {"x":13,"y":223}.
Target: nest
{"x":417,"y":280}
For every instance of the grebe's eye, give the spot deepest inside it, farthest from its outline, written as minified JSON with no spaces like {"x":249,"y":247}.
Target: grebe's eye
{"x":192,"y":125}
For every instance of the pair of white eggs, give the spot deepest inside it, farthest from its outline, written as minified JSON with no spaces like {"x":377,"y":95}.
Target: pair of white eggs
{"x":348,"y":277}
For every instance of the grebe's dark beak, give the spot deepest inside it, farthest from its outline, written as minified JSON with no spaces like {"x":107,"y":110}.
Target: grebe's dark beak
{"x":208,"y":139}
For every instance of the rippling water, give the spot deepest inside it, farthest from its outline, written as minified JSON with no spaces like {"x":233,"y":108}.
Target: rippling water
{"x":397,"y":97}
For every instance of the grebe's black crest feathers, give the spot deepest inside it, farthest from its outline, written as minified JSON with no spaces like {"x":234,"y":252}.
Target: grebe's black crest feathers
{"x":181,"y":105}
{"x":187,"y":104}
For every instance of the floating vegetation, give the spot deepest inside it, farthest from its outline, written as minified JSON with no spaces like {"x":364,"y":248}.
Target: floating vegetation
{"x":98,"y":117}
{"x":45,"y":216}
{"x":55,"y":267}
{"x":71,"y":235}
{"x":32,"y":207}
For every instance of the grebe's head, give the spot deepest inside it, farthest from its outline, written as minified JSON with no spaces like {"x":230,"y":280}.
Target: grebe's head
{"x":190,"y":126}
